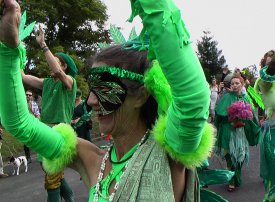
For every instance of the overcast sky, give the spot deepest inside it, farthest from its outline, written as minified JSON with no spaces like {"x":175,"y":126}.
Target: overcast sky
{"x":244,"y":29}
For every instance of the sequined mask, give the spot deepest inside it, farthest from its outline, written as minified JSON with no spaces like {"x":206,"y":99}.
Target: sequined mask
{"x":109,"y":90}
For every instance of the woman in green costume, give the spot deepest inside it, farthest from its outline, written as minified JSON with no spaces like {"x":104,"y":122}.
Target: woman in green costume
{"x":265,"y":86}
{"x":128,"y":93}
{"x":234,"y":138}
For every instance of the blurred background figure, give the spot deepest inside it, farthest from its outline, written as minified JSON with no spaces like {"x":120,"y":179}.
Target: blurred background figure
{"x":81,"y":121}
{"x":34,"y":109}
{"x":214,"y":88}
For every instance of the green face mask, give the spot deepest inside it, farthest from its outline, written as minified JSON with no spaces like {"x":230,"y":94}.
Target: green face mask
{"x":104,"y":82}
{"x":109,"y":91}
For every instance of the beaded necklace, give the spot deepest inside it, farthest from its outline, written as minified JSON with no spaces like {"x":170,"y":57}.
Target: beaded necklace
{"x":102,"y":168}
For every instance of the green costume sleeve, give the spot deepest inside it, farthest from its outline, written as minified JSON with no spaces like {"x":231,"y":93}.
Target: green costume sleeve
{"x":169,"y":43}
{"x":19,"y":122}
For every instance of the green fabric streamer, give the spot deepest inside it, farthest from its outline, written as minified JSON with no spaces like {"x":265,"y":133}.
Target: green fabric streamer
{"x":238,"y":146}
{"x":212,"y":177}
{"x":120,"y":73}
{"x":209,"y":196}
{"x":255,"y":96}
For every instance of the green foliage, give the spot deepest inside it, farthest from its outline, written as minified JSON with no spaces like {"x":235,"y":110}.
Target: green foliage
{"x":71,"y":26}
{"x":251,"y":73}
{"x":76,"y":25}
{"x":210,"y":57}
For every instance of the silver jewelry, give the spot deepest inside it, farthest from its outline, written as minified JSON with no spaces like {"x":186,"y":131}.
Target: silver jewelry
{"x":102,"y":168}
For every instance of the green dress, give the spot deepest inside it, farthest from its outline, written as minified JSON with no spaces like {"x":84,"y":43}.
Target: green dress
{"x":233,"y":143}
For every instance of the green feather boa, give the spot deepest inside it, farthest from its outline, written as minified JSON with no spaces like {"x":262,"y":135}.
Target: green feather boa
{"x":68,"y":151}
{"x":189,"y":160}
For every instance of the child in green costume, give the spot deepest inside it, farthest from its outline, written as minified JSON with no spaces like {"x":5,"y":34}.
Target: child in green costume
{"x":128,"y":93}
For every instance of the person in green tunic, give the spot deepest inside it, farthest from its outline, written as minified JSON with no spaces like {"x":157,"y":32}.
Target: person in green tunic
{"x":81,"y":120}
{"x":58,"y":96}
{"x":265,"y":86}
{"x":234,"y":138}
{"x":158,"y":120}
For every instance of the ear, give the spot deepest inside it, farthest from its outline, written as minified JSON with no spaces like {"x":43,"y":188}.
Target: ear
{"x":65,"y":67}
{"x":142,"y":97}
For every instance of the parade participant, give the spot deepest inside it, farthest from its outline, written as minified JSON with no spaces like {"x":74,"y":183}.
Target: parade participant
{"x":81,"y":120}
{"x":235,"y":131}
{"x":265,"y":86}
{"x":128,"y":92}
{"x":58,"y":96}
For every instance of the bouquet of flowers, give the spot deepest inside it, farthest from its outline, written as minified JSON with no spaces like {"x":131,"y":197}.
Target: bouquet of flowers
{"x":238,"y":112}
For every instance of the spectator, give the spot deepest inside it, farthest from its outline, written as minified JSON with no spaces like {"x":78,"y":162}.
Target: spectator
{"x":33,"y":108}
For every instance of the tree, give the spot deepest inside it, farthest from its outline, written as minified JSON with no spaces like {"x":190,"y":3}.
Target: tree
{"x":210,"y":57}
{"x":250,"y":73}
{"x":72,"y":26}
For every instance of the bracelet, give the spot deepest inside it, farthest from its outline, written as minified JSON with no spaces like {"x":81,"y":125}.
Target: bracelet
{"x":45,"y":49}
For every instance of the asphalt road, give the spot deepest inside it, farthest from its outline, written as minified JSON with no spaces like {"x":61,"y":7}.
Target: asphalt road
{"x":29,"y":187}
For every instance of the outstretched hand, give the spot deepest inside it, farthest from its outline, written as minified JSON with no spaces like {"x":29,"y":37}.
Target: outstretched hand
{"x":9,"y":24}
{"x":40,"y":36}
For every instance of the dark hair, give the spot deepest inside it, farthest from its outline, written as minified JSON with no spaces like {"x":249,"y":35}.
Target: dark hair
{"x":135,"y":61}
{"x":267,"y":54}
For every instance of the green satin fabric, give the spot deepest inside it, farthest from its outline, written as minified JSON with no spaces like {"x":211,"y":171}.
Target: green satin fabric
{"x":14,"y":112}
{"x":169,"y":44}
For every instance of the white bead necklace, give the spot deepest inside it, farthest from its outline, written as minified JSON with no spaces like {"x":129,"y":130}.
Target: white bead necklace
{"x":102,"y":168}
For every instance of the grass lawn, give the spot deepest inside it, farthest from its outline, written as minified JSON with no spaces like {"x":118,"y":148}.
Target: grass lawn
{"x":10,"y":146}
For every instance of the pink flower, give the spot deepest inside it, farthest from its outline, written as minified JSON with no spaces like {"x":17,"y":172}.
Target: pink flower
{"x":239,"y":110}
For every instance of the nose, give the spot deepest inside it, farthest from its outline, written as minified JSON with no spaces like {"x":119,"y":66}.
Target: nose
{"x":92,"y":99}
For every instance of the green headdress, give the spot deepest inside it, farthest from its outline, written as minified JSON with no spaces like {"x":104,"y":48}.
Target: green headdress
{"x":24,"y":31}
{"x":153,"y":79}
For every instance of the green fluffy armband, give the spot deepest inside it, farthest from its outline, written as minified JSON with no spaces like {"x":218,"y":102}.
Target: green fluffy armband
{"x":67,"y":153}
{"x":189,"y":160}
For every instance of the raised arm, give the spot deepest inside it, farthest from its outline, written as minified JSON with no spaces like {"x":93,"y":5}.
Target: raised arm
{"x":15,"y":116}
{"x":169,"y":44}
{"x":32,"y":81}
{"x":55,"y":67}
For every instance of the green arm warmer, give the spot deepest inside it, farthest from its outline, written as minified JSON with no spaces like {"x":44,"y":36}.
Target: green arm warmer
{"x":190,"y":92}
{"x":14,"y":112}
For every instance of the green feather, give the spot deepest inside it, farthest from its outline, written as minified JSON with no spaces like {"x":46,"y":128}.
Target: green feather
{"x":133,"y":34}
{"x":255,"y":96}
{"x":23,"y":22}
{"x":27,"y":31}
{"x":116,"y":35}
{"x":103,"y":45}
{"x":251,"y":101}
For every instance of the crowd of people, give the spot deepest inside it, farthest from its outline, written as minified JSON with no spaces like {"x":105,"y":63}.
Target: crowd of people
{"x":157,"y":119}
